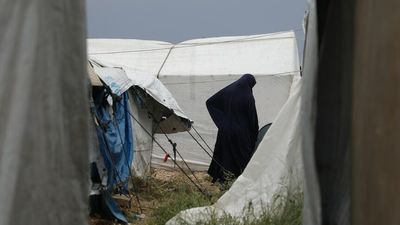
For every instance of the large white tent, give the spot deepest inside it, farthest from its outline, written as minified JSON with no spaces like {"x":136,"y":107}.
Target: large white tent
{"x":196,"y":69}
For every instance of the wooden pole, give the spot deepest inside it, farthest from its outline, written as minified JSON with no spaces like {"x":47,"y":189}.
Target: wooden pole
{"x":376,"y":113}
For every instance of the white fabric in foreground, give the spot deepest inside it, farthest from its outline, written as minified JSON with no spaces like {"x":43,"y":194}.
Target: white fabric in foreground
{"x":44,"y":111}
{"x":276,"y":166}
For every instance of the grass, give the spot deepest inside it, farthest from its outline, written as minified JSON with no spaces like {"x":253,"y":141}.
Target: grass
{"x":174,"y":205}
{"x":164,"y":195}
{"x":178,"y":195}
{"x":284,"y":211}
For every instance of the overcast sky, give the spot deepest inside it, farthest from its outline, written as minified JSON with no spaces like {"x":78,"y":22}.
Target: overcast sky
{"x":179,"y":20}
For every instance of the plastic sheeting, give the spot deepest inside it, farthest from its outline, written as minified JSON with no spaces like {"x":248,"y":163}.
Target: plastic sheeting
{"x":114,"y":78}
{"x":43,"y":113}
{"x":276,"y":167}
{"x":161,"y":99}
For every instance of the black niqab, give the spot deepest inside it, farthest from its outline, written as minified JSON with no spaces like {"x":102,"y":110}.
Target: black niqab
{"x":233,"y":111}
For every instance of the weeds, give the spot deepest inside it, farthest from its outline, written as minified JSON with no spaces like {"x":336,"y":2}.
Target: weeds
{"x":180,"y":196}
{"x":284,"y":211}
{"x":167,"y":198}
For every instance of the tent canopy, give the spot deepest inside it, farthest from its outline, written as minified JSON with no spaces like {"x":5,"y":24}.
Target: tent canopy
{"x":265,"y":54}
{"x":156,"y":96}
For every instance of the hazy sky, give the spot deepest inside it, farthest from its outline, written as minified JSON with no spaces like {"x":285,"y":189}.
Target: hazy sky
{"x":178,"y":20}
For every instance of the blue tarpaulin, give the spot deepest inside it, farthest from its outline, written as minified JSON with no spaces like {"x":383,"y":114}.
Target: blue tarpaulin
{"x":114,"y":131}
{"x":115,"y":140}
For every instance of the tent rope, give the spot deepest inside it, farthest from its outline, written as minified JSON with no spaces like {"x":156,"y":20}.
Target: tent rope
{"x":202,"y":139}
{"x":135,"y":191}
{"x":205,"y":150}
{"x":176,"y":150}
{"x":115,"y":170}
{"x":174,"y":144}
{"x":103,"y":127}
{"x":198,"y":186}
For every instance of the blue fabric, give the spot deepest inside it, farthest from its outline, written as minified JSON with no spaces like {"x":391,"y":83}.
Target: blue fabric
{"x":112,"y":207}
{"x":115,"y":140}
{"x":114,"y":131}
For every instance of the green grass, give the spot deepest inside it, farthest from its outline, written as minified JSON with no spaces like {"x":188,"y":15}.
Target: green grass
{"x":285,"y":211}
{"x":182,"y":196}
{"x":164,"y":199}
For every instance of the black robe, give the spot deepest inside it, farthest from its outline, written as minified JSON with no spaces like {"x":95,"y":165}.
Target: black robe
{"x":233,"y":111}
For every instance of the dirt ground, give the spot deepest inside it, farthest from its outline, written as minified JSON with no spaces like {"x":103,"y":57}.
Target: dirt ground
{"x":151,"y":191}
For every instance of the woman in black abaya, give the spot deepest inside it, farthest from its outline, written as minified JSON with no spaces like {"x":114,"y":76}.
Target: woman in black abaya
{"x":233,"y":111}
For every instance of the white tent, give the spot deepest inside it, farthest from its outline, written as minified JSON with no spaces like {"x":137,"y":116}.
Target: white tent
{"x":146,"y":95}
{"x":196,"y":69}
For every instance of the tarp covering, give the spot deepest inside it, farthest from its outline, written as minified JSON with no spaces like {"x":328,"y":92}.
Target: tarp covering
{"x":114,"y":78}
{"x":160,"y":103}
{"x":43,"y":113}
{"x":275,"y":167}
{"x":114,"y":132}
